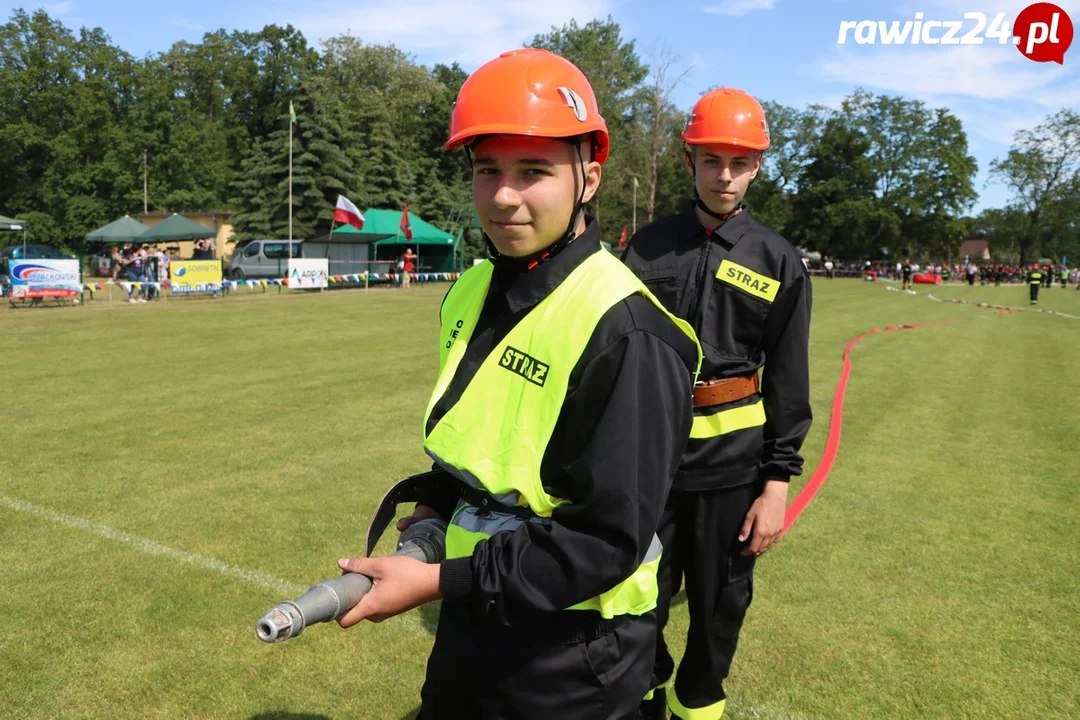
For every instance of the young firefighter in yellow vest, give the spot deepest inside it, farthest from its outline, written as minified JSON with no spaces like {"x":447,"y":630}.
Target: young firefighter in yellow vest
{"x":564,"y":405}
{"x":747,"y":294}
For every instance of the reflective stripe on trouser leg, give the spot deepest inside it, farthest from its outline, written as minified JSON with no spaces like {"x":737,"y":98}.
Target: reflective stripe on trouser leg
{"x":709,"y":712}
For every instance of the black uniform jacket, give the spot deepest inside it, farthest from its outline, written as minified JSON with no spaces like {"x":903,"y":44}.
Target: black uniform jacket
{"x":614,"y":452}
{"x":747,"y":293}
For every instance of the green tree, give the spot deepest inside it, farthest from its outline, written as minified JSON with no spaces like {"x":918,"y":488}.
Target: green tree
{"x":62,"y":111}
{"x":321,"y":171}
{"x":615,"y":72}
{"x":924,"y":176}
{"x":189,"y":163}
{"x":270,"y":66}
{"x":260,"y":208}
{"x":836,"y":210}
{"x":792,"y":134}
{"x":1042,"y":169}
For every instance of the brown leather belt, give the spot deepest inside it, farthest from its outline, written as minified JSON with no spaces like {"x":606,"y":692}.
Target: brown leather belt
{"x":719,"y":392}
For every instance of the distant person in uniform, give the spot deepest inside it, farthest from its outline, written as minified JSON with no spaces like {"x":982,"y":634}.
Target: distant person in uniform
{"x":1035,"y":278}
{"x":829,"y":269}
{"x":905,"y":271}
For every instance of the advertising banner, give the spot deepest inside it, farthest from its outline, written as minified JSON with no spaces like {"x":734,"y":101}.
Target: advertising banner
{"x":45,"y":278}
{"x":307,"y":273}
{"x":194,"y":276}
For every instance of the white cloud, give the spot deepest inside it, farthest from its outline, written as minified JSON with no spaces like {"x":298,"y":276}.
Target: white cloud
{"x":939,"y":74}
{"x":60,"y":8}
{"x":973,"y":70}
{"x":445,"y":30}
{"x":738,"y":8}
{"x":994,"y":91}
{"x":185,"y":24}
{"x":1011,"y":8}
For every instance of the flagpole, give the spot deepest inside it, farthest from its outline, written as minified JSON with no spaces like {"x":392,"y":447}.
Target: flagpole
{"x":290,"y":178}
{"x":635,"y":206}
{"x":329,"y":240}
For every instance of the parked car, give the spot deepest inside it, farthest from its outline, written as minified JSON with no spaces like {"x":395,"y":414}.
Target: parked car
{"x":263,"y":259}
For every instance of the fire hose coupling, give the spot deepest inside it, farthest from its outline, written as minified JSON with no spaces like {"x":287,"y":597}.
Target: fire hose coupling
{"x":424,"y":541}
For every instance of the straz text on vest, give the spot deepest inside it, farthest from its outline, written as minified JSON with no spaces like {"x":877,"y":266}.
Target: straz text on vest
{"x":524,"y":365}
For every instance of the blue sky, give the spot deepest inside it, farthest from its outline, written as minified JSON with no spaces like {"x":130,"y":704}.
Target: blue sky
{"x":783,"y":50}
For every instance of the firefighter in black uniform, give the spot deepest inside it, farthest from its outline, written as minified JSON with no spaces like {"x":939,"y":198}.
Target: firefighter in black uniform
{"x":747,"y":294}
{"x":946,"y":273}
{"x":555,"y":360}
{"x":906,"y":273}
{"x":1035,"y":278}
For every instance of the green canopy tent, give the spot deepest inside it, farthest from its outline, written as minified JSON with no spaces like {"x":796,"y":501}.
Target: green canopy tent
{"x":177,"y":227}
{"x":434,"y":246}
{"x":126,"y":229}
{"x":7,"y":223}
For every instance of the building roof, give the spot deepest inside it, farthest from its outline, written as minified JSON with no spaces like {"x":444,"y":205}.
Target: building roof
{"x":975,"y":247}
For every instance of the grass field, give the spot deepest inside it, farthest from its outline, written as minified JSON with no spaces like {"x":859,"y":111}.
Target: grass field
{"x":169,"y":473}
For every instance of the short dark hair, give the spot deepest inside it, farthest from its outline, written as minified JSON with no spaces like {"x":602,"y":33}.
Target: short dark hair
{"x":577,"y":140}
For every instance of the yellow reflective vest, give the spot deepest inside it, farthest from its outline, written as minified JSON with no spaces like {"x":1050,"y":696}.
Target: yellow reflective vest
{"x":494,"y":437}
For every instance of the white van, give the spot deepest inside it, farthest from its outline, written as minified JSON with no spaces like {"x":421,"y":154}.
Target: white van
{"x":263,"y":259}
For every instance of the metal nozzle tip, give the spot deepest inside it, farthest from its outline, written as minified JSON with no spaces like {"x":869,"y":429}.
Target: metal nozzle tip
{"x":277,"y":625}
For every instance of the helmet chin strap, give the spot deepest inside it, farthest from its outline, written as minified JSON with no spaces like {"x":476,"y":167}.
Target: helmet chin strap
{"x":705,"y":209}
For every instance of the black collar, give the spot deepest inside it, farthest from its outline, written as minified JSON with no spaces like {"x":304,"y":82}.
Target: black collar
{"x":524,"y":288}
{"x":691,"y":230}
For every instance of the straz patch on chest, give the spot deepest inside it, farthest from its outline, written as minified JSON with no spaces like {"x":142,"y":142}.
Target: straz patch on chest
{"x":525,"y":365}
{"x":748,"y":281}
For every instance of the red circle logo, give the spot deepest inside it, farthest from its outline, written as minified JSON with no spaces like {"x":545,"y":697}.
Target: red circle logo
{"x":1043,"y":32}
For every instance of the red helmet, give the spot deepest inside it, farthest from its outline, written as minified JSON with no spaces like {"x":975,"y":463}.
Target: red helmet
{"x":728,"y":117}
{"x":528,"y":92}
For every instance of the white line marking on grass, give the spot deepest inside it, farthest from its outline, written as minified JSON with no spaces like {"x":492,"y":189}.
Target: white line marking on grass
{"x":284,"y":587}
{"x":152,"y":548}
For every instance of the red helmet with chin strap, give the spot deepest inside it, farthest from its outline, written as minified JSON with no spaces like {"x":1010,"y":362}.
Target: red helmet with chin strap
{"x":528,"y":92}
{"x":728,"y":116}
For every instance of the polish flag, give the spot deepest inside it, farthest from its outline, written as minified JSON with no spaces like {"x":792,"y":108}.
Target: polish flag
{"x":346,"y":212}
{"x":622,"y":240}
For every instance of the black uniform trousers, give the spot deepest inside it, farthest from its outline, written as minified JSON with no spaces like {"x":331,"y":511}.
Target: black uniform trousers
{"x":569,"y":668}
{"x":1034,"y":292}
{"x":699,"y":531}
